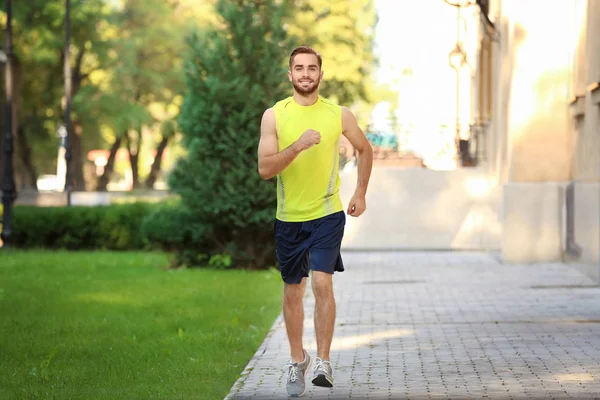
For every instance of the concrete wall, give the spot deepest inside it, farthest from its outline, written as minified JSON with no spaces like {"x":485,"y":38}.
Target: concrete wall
{"x":587,"y":228}
{"x":532,"y":219}
{"x":545,"y":128}
{"x":424,"y":209}
{"x":538,"y":120}
{"x":585,"y":110}
{"x":585,"y":115}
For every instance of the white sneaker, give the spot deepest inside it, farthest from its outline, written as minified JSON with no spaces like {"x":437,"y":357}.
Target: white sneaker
{"x":322,"y":373}
{"x":297,"y":376}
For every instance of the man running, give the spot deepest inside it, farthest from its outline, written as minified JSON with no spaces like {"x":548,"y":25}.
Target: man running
{"x":299,"y":144}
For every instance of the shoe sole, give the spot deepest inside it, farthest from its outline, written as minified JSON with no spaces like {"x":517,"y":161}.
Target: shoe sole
{"x":322,"y":381}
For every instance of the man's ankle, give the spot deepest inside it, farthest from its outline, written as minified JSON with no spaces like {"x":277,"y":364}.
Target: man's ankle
{"x":299,"y":358}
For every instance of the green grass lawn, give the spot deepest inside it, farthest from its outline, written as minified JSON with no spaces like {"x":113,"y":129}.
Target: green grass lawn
{"x":101,"y":325}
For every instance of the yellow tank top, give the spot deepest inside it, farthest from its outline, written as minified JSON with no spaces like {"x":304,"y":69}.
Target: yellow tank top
{"x":309,"y":187}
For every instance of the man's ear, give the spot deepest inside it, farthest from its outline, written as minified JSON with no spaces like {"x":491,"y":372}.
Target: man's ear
{"x":290,"y":75}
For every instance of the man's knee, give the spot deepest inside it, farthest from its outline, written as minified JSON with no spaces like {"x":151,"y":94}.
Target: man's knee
{"x":293,"y":293}
{"x":322,"y":285}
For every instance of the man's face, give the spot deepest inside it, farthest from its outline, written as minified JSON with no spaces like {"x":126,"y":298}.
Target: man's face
{"x":305,"y":73}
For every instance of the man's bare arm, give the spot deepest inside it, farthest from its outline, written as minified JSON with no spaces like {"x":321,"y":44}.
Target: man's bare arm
{"x":272,"y":162}
{"x":357,"y":138}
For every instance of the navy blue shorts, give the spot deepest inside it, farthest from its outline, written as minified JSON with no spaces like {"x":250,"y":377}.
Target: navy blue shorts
{"x":310,"y":245}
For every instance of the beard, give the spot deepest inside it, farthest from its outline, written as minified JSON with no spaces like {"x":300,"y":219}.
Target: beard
{"x":306,"y":90}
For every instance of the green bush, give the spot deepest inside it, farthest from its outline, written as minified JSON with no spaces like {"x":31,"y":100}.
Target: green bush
{"x":233,"y":75}
{"x":172,"y":228}
{"x":114,"y":227}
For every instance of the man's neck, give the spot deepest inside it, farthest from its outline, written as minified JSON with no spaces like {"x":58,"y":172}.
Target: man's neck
{"x":307,"y":100}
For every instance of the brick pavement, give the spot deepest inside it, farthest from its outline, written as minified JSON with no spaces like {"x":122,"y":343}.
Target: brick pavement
{"x":447,"y":325}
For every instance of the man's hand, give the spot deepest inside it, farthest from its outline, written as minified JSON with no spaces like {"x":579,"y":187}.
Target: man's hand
{"x":309,"y":138}
{"x":357,"y":205}
{"x":357,"y":138}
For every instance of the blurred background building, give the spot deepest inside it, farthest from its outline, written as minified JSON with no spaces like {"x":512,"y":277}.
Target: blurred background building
{"x":546,"y":132}
{"x":500,"y":99}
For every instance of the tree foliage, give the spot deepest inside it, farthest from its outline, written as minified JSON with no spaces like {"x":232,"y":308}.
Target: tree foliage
{"x":234,"y":72}
{"x":127,"y":69}
{"x":142,"y":74}
{"x":343,"y":32}
{"x":38,"y":44}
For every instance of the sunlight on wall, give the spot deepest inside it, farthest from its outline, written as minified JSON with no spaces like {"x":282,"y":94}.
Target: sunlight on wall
{"x":479,"y":187}
{"x":547,"y":48}
{"x":481,"y":223}
{"x":539,"y":122}
{"x":579,"y":55}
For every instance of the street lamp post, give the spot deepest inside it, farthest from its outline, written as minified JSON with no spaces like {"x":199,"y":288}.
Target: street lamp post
{"x":68,"y":95}
{"x":8,"y":186}
{"x":457,"y":58}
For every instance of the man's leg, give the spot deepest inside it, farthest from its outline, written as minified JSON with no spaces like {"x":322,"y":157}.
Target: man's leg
{"x":293,"y":314}
{"x":322,"y":285}
{"x":325,"y":260}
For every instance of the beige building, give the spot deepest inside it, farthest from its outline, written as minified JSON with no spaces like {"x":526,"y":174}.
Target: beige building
{"x":538,"y":90}
{"x":526,"y":87}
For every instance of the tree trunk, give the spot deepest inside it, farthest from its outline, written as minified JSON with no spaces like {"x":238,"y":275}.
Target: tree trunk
{"x":76,"y":130}
{"x":110,"y":164}
{"x":77,"y":156}
{"x":2,"y":128}
{"x":157,"y":163}
{"x":133,"y":147}
{"x":22,"y":178}
{"x":28,"y":174}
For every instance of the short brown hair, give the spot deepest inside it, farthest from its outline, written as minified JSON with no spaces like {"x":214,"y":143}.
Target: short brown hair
{"x":305,"y":50}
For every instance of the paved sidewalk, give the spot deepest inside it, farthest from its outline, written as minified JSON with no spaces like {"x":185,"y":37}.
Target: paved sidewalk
{"x":447,"y":325}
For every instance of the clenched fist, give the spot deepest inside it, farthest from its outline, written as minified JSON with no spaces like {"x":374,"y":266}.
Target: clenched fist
{"x":309,"y":138}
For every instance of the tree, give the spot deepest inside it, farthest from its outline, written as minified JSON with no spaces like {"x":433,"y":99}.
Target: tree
{"x":143,"y":77}
{"x":115,"y":49}
{"x":344,"y":33}
{"x":235,"y":71}
{"x":39,"y":57}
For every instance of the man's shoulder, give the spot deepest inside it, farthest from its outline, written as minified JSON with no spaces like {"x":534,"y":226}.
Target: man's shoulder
{"x":331,"y":105}
{"x":328,"y":102}
{"x":282,"y":104}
